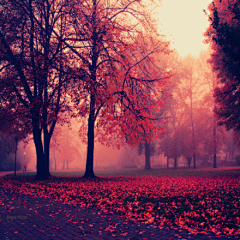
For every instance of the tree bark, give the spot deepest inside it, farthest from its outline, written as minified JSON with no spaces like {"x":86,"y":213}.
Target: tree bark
{"x":175,"y":162}
{"x":214,"y":148}
{"x":46,"y":149}
{"x":194,"y":161}
{"x":41,"y":160}
{"x":54,"y":158}
{"x":176,"y":154}
{"x":90,"y":147}
{"x":147,"y":156}
{"x":189,"y":159}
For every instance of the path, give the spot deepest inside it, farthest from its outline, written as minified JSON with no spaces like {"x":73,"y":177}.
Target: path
{"x":28,"y":217}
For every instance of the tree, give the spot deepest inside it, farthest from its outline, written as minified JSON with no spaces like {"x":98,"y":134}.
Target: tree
{"x":173,"y":113}
{"x":149,"y":150}
{"x":64,"y":147}
{"x":7,"y":147}
{"x":170,"y":141}
{"x":185,"y":142}
{"x":223,"y":35}
{"x":150,"y":147}
{"x":190,"y":85}
{"x":185,"y":121}
{"x":34,"y":70}
{"x":210,"y":80}
{"x":115,"y":45}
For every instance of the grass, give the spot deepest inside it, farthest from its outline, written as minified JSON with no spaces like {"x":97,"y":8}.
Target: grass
{"x":142,"y":172}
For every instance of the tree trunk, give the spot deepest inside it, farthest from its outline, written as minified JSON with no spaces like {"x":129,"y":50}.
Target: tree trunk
{"x":41,"y":160}
{"x":214,"y":148}
{"x":176,"y":154}
{"x":15,"y":165}
{"x":167,"y":162}
{"x":192,"y":126}
{"x":175,"y":162}
{"x":90,"y":147}
{"x":147,"y":156}
{"x":46,"y":150}
{"x":189,"y":159}
{"x":54,"y":158}
{"x":91,"y":119}
{"x":194,"y":161}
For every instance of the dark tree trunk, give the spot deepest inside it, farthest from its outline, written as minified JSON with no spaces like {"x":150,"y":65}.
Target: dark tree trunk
{"x":92,"y":117}
{"x":147,"y":156}
{"x":47,"y":150}
{"x":214,"y":148}
{"x":15,"y":165}
{"x":175,"y":162}
{"x":90,"y":147}
{"x":189,"y":159}
{"x":54,"y":158}
{"x":194,"y":161}
{"x":214,"y":161}
{"x":167,"y":162}
{"x":41,"y":160}
{"x":175,"y":154}
{"x":189,"y":163}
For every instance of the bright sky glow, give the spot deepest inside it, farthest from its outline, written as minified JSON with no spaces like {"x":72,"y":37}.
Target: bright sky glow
{"x":184,"y":22}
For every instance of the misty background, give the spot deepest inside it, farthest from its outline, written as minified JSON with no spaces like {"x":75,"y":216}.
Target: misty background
{"x":189,"y":119}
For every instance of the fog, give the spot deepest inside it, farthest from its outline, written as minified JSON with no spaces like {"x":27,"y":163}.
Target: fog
{"x":72,"y":156}
{"x":69,"y":153}
{"x":191,"y":132}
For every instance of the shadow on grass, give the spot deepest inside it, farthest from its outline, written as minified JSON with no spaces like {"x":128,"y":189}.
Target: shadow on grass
{"x":118,"y":173}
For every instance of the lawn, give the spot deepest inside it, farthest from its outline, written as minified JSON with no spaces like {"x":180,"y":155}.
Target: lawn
{"x":141,"y":172}
{"x":198,"y":200}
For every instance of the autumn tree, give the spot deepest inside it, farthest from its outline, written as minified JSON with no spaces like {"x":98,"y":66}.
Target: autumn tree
{"x":184,"y":136}
{"x":115,"y":44}
{"x":64,"y":146}
{"x":148,"y":149}
{"x":7,"y":146}
{"x":173,"y":113}
{"x":170,"y":141}
{"x":190,"y":92}
{"x":176,"y":117}
{"x":209,"y":79}
{"x":223,"y":35}
{"x":34,"y":71}
{"x":185,"y":142}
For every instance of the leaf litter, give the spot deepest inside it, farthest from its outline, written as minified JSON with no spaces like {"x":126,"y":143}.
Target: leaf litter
{"x":198,"y":204}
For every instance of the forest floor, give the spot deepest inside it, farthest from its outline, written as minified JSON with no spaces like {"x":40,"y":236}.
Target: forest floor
{"x":132,"y":204}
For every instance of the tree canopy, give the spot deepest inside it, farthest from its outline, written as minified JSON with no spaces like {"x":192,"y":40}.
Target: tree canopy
{"x":223,"y":35}
{"x":95,"y":59}
{"x":34,"y":71}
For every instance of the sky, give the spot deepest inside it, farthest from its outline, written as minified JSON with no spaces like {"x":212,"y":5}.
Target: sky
{"x":184,"y":22}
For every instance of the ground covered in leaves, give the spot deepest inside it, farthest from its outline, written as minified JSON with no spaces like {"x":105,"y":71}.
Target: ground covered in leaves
{"x":196,"y":203}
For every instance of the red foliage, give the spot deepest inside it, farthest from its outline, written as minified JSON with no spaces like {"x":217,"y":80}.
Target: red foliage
{"x":195,"y":203}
